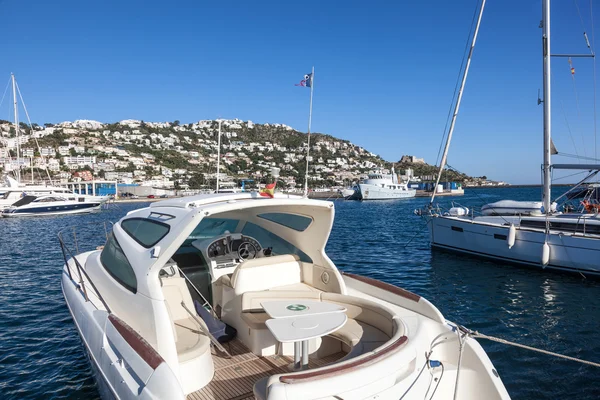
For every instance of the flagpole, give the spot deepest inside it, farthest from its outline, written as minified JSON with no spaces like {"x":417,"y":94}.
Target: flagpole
{"x":312,"y":86}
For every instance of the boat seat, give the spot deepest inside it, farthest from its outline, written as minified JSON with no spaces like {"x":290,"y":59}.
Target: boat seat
{"x":190,"y":339}
{"x":369,"y":326}
{"x":372,"y":332}
{"x":265,"y":273}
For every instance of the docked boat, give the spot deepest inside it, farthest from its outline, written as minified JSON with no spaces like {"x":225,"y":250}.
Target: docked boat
{"x":15,"y":191}
{"x":380,"y":186}
{"x":30,"y":206}
{"x":527,"y":233}
{"x":158,"y":307}
{"x":350,"y":193}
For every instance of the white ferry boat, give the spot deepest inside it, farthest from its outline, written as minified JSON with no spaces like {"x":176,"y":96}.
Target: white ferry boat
{"x":380,"y":186}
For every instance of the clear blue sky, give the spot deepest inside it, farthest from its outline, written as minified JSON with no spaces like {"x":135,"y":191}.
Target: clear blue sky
{"x":385,"y":71}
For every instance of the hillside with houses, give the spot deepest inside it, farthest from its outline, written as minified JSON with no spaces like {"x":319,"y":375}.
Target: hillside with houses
{"x":181,"y":156}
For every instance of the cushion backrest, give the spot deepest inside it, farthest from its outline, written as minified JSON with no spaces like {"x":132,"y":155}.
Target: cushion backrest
{"x":365,"y":311}
{"x":266,"y":272}
{"x":175,"y":291}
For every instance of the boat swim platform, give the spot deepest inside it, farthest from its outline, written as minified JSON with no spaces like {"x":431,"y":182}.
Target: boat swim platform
{"x":235,"y":377}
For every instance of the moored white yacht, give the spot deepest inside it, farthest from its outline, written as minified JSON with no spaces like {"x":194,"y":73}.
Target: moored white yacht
{"x":528,"y":233}
{"x":380,"y":186}
{"x":30,"y":206}
{"x":146,"y":302}
{"x":14,"y":192}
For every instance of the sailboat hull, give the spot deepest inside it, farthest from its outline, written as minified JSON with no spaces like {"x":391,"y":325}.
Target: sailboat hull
{"x":488,"y":237}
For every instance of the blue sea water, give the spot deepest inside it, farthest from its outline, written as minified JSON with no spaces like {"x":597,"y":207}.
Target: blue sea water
{"x":41,"y":355}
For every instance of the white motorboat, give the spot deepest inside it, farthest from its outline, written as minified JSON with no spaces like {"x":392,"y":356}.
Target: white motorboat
{"x":14,"y":192}
{"x":380,"y":186}
{"x":14,"y":189}
{"x":526,"y":233}
{"x":350,"y":193}
{"x":147,"y":302}
{"x":30,"y":206}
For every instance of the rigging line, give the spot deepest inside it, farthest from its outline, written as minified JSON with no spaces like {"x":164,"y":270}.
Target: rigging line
{"x":577,"y":103}
{"x":568,"y":176}
{"x":5,"y":90}
{"x":595,"y":83}
{"x":576,"y":156}
{"x":457,"y":84}
{"x":31,"y":127}
{"x":568,"y":127}
{"x":590,"y":175}
{"x":580,"y":17}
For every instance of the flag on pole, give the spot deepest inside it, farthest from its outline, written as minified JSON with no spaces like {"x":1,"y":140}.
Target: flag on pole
{"x":269,"y":190}
{"x":306,"y":82}
{"x":571,"y":65}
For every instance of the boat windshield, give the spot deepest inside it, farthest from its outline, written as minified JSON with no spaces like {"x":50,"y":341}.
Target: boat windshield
{"x":213,"y":227}
{"x":24,"y":200}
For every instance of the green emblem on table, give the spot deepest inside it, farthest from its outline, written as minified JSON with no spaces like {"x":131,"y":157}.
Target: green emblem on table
{"x":296,"y":307}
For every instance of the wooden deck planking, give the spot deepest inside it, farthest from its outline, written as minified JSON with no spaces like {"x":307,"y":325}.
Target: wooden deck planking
{"x":235,"y":377}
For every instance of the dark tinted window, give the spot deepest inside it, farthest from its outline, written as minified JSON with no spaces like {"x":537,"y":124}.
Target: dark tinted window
{"x":269,"y":239}
{"x":115,"y":262}
{"x":293,"y":221}
{"x":145,"y":231}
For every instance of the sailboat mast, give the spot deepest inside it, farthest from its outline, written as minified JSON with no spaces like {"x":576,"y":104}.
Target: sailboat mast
{"x":218,"y":157}
{"x":457,"y":106}
{"x":18,"y":174}
{"x":547,"y":103}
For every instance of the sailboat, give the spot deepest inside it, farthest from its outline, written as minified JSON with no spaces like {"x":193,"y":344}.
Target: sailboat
{"x":14,"y":190}
{"x":533,"y":234}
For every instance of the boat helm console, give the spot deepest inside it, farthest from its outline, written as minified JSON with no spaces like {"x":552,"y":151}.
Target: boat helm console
{"x":230,"y":249}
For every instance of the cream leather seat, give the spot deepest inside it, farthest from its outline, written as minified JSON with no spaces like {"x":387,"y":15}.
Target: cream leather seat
{"x":255,"y":281}
{"x":190,"y":340}
{"x":369,"y":326}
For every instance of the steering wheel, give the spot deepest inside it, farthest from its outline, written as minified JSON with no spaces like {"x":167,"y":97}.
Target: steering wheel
{"x":247,"y":251}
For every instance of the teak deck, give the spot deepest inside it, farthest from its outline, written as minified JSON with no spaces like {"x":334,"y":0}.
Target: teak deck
{"x":235,"y":377}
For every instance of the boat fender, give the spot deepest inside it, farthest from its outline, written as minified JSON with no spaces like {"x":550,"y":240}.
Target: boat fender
{"x":512,"y":232}
{"x":545,"y":254}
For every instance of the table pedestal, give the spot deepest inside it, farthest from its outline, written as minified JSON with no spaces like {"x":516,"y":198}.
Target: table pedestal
{"x":300,"y":355}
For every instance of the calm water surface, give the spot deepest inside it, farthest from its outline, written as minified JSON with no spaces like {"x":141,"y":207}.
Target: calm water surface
{"x":41,"y":355}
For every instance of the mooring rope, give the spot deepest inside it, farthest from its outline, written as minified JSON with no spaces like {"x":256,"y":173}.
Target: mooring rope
{"x":476,"y":334}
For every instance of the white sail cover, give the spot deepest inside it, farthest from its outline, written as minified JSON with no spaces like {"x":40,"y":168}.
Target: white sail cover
{"x":512,"y":207}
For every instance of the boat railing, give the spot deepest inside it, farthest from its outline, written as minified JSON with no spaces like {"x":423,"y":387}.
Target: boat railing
{"x":70,"y":239}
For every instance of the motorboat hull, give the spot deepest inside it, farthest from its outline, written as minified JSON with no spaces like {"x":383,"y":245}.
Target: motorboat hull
{"x":51,"y":209}
{"x":116,"y":369}
{"x":488,"y":237}
{"x":145,"y":341}
{"x":374,"y":192}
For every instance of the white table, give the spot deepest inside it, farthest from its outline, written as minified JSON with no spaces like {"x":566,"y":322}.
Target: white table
{"x":299,"y":320}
